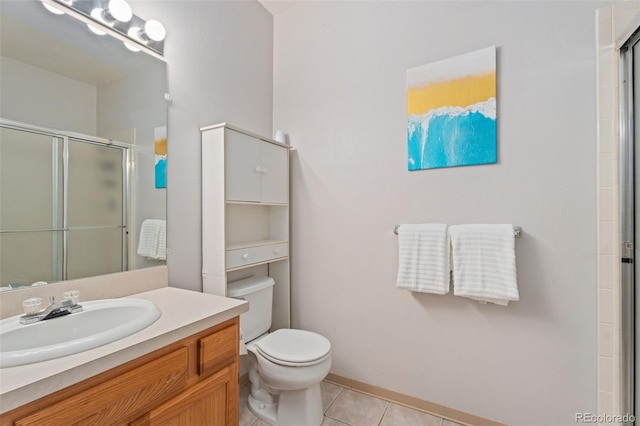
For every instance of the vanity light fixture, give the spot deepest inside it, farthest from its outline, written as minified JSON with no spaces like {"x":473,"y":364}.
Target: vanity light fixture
{"x":115,"y":10}
{"x":152,"y":30}
{"x":116,"y":18}
{"x":51,"y":8}
{"x":95,"y":29}
{"x":131,"y":47}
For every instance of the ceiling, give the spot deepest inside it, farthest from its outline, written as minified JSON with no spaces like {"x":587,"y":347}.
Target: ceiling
{"x":277,"y":6}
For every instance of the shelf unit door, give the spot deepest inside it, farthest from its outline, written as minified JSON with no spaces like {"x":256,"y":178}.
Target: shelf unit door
{"x":275,"y":174}
{"x":243,"y":166}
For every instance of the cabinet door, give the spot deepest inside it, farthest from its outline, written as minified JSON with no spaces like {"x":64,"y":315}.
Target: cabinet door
{"x":121,"y":398}
{"x":212,"y":402}
{"x":275,"y":174}
{"x":243,"y":167}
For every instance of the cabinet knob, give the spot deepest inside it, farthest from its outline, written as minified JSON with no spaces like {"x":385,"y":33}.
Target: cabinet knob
{"x":258,"y":169}
{"x":276,"y":251}
{"x":245,"y":256}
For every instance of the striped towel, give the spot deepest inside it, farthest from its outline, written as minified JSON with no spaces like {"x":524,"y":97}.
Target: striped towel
{"x":484,"y":263}
{"x":423,"y":258}
{"x":153,"y":239}
{"x":162,"y":240}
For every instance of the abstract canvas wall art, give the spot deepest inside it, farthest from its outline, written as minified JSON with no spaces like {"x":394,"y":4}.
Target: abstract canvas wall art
{"x":160,"y":150}
{"x":451,"y":108}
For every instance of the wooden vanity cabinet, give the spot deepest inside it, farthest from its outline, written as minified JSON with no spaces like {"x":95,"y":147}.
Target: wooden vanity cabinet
{"x":191,"y":382}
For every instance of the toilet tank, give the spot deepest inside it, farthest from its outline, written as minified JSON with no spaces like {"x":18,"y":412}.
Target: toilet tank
{"x":258,"y":291}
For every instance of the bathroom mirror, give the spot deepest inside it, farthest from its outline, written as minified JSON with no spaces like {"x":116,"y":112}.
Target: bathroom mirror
{"x":68,"y":93}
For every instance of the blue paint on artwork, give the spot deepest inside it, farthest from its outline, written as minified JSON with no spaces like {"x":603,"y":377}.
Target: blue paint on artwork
{"x":161,"y":173}
{"x":451,"y":138}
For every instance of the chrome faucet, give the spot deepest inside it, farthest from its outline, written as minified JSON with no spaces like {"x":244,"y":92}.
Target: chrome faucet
{"x":54,"y":310}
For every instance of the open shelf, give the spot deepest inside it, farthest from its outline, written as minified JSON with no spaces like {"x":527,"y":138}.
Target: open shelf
{"x":256,"y":243}
{"x":248,"y":223}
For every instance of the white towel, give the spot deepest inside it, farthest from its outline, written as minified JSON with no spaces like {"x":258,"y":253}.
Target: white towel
{"x":150,"y":236}
{"x":423,"y":263}
{"x":162,"y":240}
{"x":484,"y":263}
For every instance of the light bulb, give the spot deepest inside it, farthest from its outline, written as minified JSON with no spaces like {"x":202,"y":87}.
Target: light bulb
{"x":131,"y":47}
{"x":95,"y":29}
{"x":51,"y":8}
{"x":154,"y":30}
{"x":116,"y":10}
{"x":119,"y":10}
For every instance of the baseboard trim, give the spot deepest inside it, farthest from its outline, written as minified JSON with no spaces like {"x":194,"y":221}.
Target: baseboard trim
{"x":244,"y":379}
{"x":412,"y":402}
{"x":445,"y":412}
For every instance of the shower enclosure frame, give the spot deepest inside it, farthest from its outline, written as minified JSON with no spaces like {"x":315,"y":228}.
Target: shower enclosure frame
{"x":127,"y":165}
{"x":628,"y":166}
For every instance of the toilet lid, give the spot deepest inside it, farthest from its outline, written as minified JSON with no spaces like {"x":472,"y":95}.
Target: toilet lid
{"x":294,"y":346}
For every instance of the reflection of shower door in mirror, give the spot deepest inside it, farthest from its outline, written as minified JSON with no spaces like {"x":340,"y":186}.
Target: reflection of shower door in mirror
{"x":63,"y":207}
{"x":31,"y":219}
{"x":95,"y":210}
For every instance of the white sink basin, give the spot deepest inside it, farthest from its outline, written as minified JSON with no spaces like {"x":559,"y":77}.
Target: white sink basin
{"x":101,"y":322}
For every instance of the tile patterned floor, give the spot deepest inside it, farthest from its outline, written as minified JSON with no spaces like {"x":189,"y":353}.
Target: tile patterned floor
{"x":343,"y":406}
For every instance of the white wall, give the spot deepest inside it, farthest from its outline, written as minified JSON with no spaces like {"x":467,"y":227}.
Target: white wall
{"x":35,"y":96}
{"x":339,"y":92}
{"x":220,"y":69}
{"x":119,"y":115}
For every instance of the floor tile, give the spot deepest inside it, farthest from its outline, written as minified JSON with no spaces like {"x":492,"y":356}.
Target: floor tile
{"x":398,"y":415}
{"x":328,"y":421}
{"x":357,"y":409}
{"x":329,"y":393}
{"x":246,"y":417}
{"x":344,"y":407}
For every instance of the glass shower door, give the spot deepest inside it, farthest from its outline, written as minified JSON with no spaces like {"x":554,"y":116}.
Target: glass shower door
{"x":636,"y":184}
{"x":629,"y":231}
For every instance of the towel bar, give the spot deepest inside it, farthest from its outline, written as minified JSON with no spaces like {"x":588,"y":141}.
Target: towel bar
{"x":517,"y":230}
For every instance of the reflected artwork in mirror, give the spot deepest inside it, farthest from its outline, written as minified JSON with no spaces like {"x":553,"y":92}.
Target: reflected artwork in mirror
{"x":79,"y":114}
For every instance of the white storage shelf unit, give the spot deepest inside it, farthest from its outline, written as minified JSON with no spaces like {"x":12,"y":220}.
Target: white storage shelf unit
{"x":245,"y":212}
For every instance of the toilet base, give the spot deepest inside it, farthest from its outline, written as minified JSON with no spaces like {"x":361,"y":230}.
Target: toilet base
{"x":294,"y":408}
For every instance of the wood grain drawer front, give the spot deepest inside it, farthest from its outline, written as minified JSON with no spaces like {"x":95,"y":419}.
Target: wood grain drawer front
{"x":218,"y":349}
{"x":248,"y":256}
{"x":118,"y":399}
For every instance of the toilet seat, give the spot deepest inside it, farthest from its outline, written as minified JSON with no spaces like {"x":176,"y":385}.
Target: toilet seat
{"x":297,"y":348}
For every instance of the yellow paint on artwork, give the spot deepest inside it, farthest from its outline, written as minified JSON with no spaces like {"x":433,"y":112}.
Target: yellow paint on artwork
{"x":161,"y":146}
{"x":460,"y":92}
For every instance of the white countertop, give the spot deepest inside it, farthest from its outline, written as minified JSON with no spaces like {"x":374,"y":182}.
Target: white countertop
{"x":184,"y":313}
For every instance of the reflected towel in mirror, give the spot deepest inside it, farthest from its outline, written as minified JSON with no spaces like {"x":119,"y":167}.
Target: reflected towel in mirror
{"x":153,"y":237}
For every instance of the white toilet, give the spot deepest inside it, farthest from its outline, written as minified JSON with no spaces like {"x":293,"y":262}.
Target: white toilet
{"x":286,"y":366}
